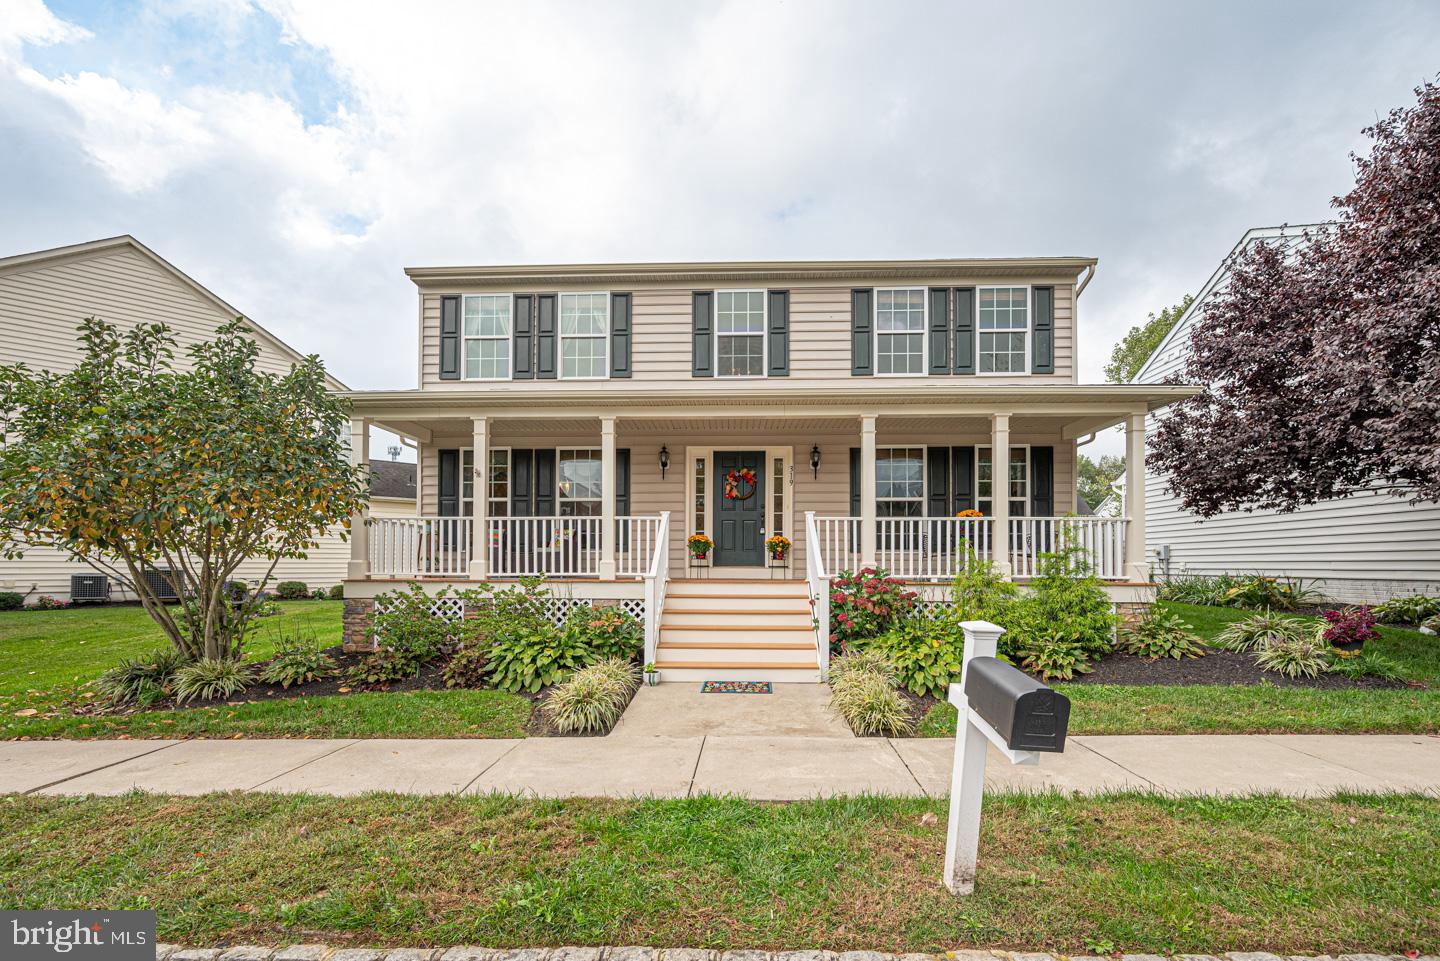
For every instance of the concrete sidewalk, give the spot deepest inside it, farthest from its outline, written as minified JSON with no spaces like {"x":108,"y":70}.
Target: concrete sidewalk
{"x":759,"y":767}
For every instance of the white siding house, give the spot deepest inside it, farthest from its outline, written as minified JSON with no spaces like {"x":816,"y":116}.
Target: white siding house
{"x":43,"y":298}
{"x":1361,"y":549}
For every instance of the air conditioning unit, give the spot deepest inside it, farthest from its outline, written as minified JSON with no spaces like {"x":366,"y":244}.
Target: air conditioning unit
{"x":159,"y":582}
{"x":89,"y":588}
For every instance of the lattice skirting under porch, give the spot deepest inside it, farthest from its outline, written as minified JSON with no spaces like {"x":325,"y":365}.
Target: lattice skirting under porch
{"x":359,"y":610}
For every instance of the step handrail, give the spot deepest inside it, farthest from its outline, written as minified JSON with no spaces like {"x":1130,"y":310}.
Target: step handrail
{"x":656,"y":581}
{"x":819,"y":586}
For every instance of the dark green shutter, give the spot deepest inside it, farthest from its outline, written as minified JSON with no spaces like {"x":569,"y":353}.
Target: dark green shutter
{"x":940,"y":330}
{"x":964,"y":330}
{"x":702,"y":362}
{"x":1043,"y":353}
{"x":544,"y":482}
{"x":545,"y":345}
{"x":854,"y":482}
{"x":449,"y":471}
{"x":937,"y":466}
{"x":524,"y":359}
{"x":779,"y":334}
{"x":862,"y":332}
{"x":619,"y":335}
{"x":522,"y":484}
{"x":449,"y":338}
{"x":1042,"y":481}
{"x":962,"y":472}
{"x":622,"y":495}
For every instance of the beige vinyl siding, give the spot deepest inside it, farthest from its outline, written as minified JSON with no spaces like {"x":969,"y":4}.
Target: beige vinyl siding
{"x":819,"y":340}
{"x":392,"y":507}
{"x":40,"y":307}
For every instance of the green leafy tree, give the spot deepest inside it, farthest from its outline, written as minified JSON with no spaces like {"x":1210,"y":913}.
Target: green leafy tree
{"x":1094,"y":477}
{"x":1135,"y":348}
{"x":129,"y":464}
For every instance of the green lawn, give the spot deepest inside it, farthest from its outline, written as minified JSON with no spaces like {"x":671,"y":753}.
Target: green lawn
{"x":47,"y":659}
{"x":1125,"y":872}
{"x":1118,"y":709}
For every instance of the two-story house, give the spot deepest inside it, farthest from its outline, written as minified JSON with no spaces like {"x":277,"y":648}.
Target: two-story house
{"x":583,"y":422}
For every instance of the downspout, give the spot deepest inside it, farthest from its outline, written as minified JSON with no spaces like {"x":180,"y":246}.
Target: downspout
{"x":1075,"y":325}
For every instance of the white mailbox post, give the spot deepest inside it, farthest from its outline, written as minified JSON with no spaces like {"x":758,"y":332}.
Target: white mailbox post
{"x":967,"y":780}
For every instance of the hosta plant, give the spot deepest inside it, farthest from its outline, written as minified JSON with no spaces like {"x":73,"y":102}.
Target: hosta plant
{"x":593,"y":698}
{"x":140,"y":680}
{"x":1160,"y":634}
{"x":608,"y":631}
{"x":532,"y":659}
{"x":211,"y":678}
{"x":1412,"y":609}
{"x":926,"y":653}
{"x":1295,"y":656}
{"x":1259,"y":631}
{"x":1054,"y":654}
{"x":298,"y":662}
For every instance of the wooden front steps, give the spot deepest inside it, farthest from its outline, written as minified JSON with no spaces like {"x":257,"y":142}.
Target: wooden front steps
{"x":737,"y":630}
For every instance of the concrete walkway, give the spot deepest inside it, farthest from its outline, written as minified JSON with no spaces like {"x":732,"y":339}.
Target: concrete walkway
{"x":775,"y":768}
{"x":679,"y":710}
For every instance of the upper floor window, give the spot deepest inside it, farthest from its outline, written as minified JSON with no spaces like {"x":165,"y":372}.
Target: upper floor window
{"x":740,"y":333}
{"x":900,"y":482}
{"x":584,"y":330}
{"x":1004,"y":326}
{"x":486,"y":337}
{"x":900,"y":331}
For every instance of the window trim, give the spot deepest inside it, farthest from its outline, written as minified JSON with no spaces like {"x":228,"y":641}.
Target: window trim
{"x":1029,"y":481}
{"x":603,"y":336}
{"x":923,"y":332}
{"x":715,"y":334}
{"x":924,"y":497}
{"x":1029,"y":333}
{"x":508,"y":338}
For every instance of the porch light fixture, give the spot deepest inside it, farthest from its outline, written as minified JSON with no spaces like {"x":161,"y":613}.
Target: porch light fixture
{"x":815,"y":460}
{"x":664,"y":460}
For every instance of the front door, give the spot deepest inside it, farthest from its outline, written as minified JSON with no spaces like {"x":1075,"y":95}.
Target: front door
{"x":739,"y":509}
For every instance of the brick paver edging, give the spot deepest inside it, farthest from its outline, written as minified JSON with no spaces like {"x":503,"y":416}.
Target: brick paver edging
{"x":324,"y":952}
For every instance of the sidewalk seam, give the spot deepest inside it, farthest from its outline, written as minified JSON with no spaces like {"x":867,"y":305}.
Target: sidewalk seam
{"x":918,"y":786}
{"x":690,"y":789}
{"x":1271,"y":738}
{"x":318,"y":757}
{"x":41,"y":787}
{"x":486,"y":769}
{"x":1106,"y":757}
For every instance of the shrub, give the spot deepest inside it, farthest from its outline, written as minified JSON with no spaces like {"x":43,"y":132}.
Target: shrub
{"x":1054,"y":654}
{"x":319,"y":594}
{"x":1367,"y":664}
{"x":467,"y":667}
{"x":140,"y":680}
{"x":336,"y":592}
{"x":236,"y":591}
{"x":1162,"y":633}
{"x":862,"y":662}
{"x":866,"y":604}
{"x":1304,"y":656}
{"x":384,"y":666}
{"x":1412,"y":609}
{"x":1271,"y":593}
{"x":292,"y":590}
{"x":492,"y":614}
{"x":1353,"y":625}
{"x":211,"y":678}
{"x":1208,"y":589}
{"x":926,"y":652}
{"x":1065,"y":600}
{"x":47,"y":603}
{"x":298,"y":662}
{"x":404,"y":620}
{"x":10,"y":601}
{"x":593,"y":698}
{"x":980,"y":593}
{"x":609,"y":631}
{"x":871,"y":705}
{"x":1256,"y":632}
{"x":529,"y":659}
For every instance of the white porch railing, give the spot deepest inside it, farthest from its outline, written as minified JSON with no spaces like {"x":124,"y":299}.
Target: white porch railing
{"x":420,"y":546}
{"x":656,"y":577}
{"x":549,"y":546}
{"x":836,"y":540}
{"x":930,"y":548}
{"x":1102,"y":539}
{"x":817,"y":582}
{"x":635,"y":541}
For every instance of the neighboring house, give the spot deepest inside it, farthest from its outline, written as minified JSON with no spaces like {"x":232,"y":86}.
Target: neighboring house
{"x":582,"y":422}
{"x":43,"y":298}
{"x":1365,"y":548}
{"x":392,"y":489}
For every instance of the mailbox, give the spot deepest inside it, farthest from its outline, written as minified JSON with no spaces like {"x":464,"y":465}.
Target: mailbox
{"x":1026,"y":713}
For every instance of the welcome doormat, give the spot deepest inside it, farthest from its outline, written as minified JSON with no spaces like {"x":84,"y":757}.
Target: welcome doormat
{"x":737,"y":687}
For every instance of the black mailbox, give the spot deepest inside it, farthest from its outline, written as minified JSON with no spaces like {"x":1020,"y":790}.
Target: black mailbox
{"x":1028,"y":715}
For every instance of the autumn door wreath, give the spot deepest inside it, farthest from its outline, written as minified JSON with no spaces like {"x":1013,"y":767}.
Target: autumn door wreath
{"x":740,"y":484}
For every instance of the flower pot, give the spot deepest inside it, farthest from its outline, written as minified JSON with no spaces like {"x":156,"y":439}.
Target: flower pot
{"x":1349,"y":647}
{"x":652,"y":678}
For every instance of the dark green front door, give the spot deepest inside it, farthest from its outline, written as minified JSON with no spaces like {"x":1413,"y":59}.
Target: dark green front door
{"x":740,"y":520}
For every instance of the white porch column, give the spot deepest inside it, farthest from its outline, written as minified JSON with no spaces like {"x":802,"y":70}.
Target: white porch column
{"x":867,"y":491}
{"x":607,"y":498}
{"x":1137,"y":567}
{"x":359,"y":565}
{"x":479,"y":521}
{"x":1000,"y":492}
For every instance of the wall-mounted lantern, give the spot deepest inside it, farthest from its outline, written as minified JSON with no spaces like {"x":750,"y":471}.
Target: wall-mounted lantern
{"x":815,"y":460}
{"x":664,"y":461}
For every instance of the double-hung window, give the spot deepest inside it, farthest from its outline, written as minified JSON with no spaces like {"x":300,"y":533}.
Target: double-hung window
{"x":498,"y":504}
{"x":900,"y":482}
{"x":740,"y":333}
{"x":584,"y":330}
{"x":900,"y":331}
{"x":1004,"y":327}
{"x":486,"y":319}
{"x":581,"y":483}
{"x":1019,"y":484}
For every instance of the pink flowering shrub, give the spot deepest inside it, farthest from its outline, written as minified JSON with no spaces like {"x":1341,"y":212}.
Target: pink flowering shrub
{"x":1350,"y":626}
{"x":866,"y":604}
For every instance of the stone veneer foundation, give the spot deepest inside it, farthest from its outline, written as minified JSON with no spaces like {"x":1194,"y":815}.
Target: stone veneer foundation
{"x":356,"y":624}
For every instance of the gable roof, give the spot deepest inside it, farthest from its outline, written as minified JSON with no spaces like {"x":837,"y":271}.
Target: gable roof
{"x":392,"y":478}
{"x":93,"y":248}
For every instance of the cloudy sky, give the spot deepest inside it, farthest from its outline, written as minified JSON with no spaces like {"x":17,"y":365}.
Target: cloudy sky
{"x":295,"y":155}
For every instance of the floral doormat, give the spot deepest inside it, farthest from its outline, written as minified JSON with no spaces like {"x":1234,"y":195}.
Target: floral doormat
{"x":737,"y":687}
